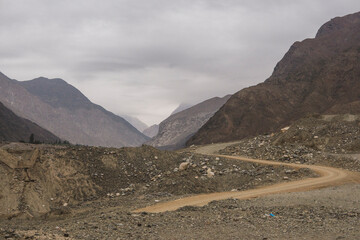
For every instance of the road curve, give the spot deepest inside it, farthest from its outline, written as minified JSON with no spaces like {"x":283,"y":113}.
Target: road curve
{"x":328,"y":176}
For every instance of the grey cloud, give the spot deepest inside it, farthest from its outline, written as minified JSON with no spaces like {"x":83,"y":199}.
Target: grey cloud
{"x":106,"y":66}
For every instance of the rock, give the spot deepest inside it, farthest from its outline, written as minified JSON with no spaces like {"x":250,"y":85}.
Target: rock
{"x":209,"y":173}
{"x":285,"y":129}
{"x":183,"y":166}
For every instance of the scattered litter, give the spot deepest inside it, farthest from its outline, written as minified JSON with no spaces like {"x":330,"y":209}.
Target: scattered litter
{"x":269,"y":215}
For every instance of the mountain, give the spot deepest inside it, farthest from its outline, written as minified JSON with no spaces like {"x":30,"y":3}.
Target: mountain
{"x":137,"y":123}
{"x":181,"y":107}
{"x":178,"y":128}
{"x":14,"y":128}
{"x":151,"y":131}
{"x":319,"y":75}
{"x":65,"y":111}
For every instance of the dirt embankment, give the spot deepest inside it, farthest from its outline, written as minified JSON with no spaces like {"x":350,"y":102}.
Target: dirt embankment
{"x":38,"y":180}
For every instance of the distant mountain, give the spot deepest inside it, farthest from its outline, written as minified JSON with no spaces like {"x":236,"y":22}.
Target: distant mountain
{"x":137,"y":123}
{"x":320,"y":75}
{"x":151,"y":131}
{"x":15,"y":129}
{"x":181,"y":107}
{"x":65,"y":111}
{"x":178,"y":128}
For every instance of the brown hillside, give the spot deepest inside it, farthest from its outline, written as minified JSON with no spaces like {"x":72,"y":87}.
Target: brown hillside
{"x":319,"y":75}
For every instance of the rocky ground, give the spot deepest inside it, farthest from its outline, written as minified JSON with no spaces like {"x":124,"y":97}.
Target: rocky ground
{"x":332,"y":140}
{"x":320,"y":214}
{"x":45,"y":184}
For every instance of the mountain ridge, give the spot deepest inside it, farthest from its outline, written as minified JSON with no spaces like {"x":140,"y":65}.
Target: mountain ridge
{"x":151,"y":131}
{"x":179,"y":127}
{"x":65,"y":111}
{"x":318,"y":75}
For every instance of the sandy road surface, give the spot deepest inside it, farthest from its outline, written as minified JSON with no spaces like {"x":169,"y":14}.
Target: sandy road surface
{"x":329,"y":176}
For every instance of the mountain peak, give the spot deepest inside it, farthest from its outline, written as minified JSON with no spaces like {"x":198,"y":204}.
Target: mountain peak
{"x":316,"y":76}
{"x":57,"y":93}
{"x":181,"y":107}
{"x":45,"y":79}
{"x":339,"y":24}
{"x":64,"y":110}
{"x":174,"y":131}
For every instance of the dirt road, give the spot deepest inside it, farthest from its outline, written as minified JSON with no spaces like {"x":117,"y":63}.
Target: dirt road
{"x":328,"y":176}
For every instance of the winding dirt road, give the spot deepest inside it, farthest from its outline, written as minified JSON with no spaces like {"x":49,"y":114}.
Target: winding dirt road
{"x":328,"y":176}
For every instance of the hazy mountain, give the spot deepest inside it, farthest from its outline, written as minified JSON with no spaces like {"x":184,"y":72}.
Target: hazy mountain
{"x":65,"y":111}
{"x":14,"y":128}
{"x":319,"y":75}
{"x":137,"y":123}
{"x":181,"y":107}
{"x":178,"y":128}
{"x":151,"y":131}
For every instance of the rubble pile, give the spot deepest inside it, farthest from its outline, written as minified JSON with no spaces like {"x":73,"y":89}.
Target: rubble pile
{"x":46,"y":179}
{"x":330,"y":139}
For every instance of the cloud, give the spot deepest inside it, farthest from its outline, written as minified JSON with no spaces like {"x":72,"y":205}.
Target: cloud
{"x":144,"y":57}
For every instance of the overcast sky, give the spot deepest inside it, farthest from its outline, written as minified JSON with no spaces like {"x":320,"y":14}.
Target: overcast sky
{"x":145,"y":57}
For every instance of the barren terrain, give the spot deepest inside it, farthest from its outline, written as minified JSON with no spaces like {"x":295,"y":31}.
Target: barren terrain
{"x":296,"y":191}
{"x":115,"y":212}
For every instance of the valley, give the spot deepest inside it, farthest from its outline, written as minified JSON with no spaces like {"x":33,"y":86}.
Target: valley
{"x":278,"y":160}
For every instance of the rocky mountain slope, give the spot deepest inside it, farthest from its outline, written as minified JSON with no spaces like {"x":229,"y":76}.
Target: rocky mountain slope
{"x":178,"y":128}
{"x":181,"y":107}
{"x":137,"y":123}
{"x":15,"y":129}
{"x":65,"y":111}
{"x":319,"y":75}
{"x":151,"y":131}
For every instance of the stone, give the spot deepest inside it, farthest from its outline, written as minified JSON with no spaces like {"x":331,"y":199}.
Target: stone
{"x":183,"y":166}
{"x":209,"y":173}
